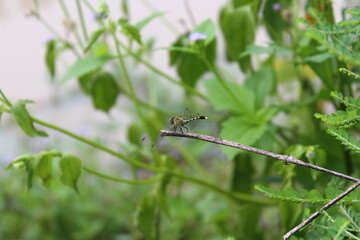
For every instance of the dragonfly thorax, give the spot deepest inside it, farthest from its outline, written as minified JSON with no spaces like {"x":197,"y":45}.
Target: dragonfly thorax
{"x":178,"y":121}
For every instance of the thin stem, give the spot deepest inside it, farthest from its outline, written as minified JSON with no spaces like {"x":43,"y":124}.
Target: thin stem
{"x":96,"y":145}
{"x":135,"y":182}
{"x":82,"y":22}
{"x":68,"y":18}
{"x":190,"y":13}
{"x":317,"y":213}
{"x":163,"y":18}
{"x":286,"y":158}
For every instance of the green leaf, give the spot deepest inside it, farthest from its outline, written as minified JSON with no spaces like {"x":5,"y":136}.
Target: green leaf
{"x":190,"y":66}
{"x":317,"y":58}
{"x":271,"y":49}
{"x":84,"y":66}
{"x":242,"y":130}
{"x":104,"y":91}
{"x":221,"y":99}
{"x":348,"y":141}
{"x":130,"y":30}
{"x":261,"y":83}
{"x":27,"y":162}
{"x":238,"y":26}
{"x":23,"y":119}
{"x":145,"y":215}
{"x":273,"y":20}
{"x":93,"y":38}
{"x":70,"y":170}
{"x":50,"y":56}
{"x":141,"y":24}
{"x":43,"y":168}
{"x":240,"y":3}
{"x":341,"y":119}
{"x":208,"y":28}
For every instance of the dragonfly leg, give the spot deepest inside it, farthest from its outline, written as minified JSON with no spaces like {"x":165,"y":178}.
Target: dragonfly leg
{"x":187,"y":130}
{"x":181,"y":129}
{"x":174,"y":129}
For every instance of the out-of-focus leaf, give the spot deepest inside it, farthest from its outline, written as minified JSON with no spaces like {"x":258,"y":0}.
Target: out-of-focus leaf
{"x":130,"y":30}
{"x":208,"y":28}
{"x":241,"y":130}
{"x":43,"y":168}
{"x":238,"y":27}
{"x":50,"y":56}
{"x":141,"y":24}
{"x":84,"y":66}
{"x":125,"y":8}
{"x":240,"y":3}
{"x":104,"y":91}
{"x":70,"y":170}
{"x":222,"y":100}
{"x":145,"y":215}
{"x":271,"y":49}
{"x":261,"y":83}
{"x":274,"y":21}
{"x":93,"y":38}
{"x":23,"y":119}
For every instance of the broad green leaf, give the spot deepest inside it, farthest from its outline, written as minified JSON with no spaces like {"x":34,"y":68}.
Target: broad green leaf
{"x":261,"y":83}
{"x":141,"y":24}
{"x":104,"y":91}
{"x":93,"y":38}
{"x":84,"y":66}
{"x":318,"y":58}
{"x":70,"y":170}
{"x":145,"y":215}
{"x":43,"y":168}
{"x":86,"y":81}
{"x":241,"y":130}
{"x":50,"y":56}
{"x":243,"y":174}
{"x":238,"y":27}
{"x":190,"y":66}
{"x":23,"y":119}
{"x":274,"y":22}
{"x":271,"y":49}
{"x":240,"y":3}
{"x":20,"y":161}
{"x":27,"y":162}
{"x":130,"y":30}
{"x":208,"y":28}
{"x":222,"y":100}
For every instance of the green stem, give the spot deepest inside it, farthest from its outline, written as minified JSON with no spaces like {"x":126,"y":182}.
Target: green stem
{"x":82,"y":22}
{"x":96,"y":145}
{"x":135,"y":182}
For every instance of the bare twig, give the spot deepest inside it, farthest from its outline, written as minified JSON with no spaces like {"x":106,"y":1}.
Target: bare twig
{"x":317,"y":213}
{"x":286,"y":158}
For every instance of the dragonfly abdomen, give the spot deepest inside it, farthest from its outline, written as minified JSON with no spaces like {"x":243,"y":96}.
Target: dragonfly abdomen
{"x":194,"y":118}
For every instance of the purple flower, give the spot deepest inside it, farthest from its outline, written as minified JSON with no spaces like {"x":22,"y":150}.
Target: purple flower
{"x":99,"y":16}
{"x":276,"y":7}
{"x":195,"y":36}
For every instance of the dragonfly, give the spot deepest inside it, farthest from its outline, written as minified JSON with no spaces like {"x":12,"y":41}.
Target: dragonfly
{"x":179,"y":122}
{"x":183,"y":121}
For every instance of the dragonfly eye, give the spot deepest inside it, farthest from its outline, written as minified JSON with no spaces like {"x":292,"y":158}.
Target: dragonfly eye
{"x":171,"y":121}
